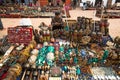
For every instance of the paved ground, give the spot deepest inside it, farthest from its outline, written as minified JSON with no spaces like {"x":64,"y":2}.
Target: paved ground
{"x":114,"y":23}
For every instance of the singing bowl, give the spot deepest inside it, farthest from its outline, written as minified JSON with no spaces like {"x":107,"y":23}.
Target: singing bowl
{"x":86,"y":39}
{"x":10,"y":76}
{"x":16,"y":68}
{"x":55,"y":71}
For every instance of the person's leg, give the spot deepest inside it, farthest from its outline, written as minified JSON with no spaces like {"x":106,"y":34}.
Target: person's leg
{"x":57,"y":27}
{"x":1,"y":25}
{"x":53,"y":28}
{"x":75,"y":4}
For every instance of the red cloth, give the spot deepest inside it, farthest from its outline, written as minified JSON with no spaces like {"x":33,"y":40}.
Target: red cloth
{"x":3,"y":76}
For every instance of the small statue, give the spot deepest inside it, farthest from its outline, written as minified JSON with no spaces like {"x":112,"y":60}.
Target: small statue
{"x":79,"y":36}
{"x":117,"y":42}
{"x":75,"y":36}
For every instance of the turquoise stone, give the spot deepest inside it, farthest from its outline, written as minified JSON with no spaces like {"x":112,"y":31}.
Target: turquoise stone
{"x":42,"y":49}
{"x":50,"y":63}
{"x":63,"y":58}
{"x":40,"y":60}
{"x":75,"y":60}
{"x":65,"y":68}
{"x":69,"y":50}
{"x":95,"y":60}
{"x":76,"y":51}
{"x":92,"y":60}
{"x":51,"y":49}
{"x":78,"y":71}
{"x":66,"y":28}
{"x":67,"y":56}
{"x":61,"y":49}
{"x":105,"y":55}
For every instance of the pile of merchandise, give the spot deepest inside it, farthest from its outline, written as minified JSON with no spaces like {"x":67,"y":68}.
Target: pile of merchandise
{"x":32,"y":12}
{"x":108,"y":13}
{"x":73,"y":53}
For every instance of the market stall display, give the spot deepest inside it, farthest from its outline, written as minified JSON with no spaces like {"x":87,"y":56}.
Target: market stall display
{"x":108,"y":13}
{"x":17,"y":11}
{"x":62,"y":55}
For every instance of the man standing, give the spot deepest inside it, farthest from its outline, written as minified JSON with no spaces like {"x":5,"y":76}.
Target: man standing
{"x":74,"y":4}
{"x":57,"y":22}
{"x":49,"y":2}
{"x":0,"y":2}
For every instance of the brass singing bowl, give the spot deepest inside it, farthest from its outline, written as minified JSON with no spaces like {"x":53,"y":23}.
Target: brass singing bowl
{"x":16,"y":68}
{"x":86,"y":39}
{"x":22,"y":58}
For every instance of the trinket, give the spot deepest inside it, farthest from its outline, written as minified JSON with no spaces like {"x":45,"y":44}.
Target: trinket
{"x":86,"y":39}
{"x":55,"y":71}
{"x":32,"y":59}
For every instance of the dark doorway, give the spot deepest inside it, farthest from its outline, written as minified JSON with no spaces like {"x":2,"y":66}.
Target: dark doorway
{"x":117,"y":1}
{"x":98,"y":2}
{"x":22,"y":1}
{"x":13,"y":1}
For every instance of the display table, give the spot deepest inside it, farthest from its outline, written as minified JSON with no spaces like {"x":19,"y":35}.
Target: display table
{"x":79,"y":52}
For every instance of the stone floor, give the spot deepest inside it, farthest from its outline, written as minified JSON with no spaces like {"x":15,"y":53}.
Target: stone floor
{"x":12,"y":22}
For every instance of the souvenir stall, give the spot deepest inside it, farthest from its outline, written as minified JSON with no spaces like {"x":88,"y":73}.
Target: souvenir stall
{"x":20,"y":11}
{"x":108,"y":13}
{"x":77,"y":52}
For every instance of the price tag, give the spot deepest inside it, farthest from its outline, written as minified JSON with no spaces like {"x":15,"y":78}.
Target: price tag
{"x":55,"y":78}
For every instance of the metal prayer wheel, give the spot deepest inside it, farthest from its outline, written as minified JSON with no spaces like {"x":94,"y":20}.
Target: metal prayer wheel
{"x":87,"y":21}
{"x":87,"y":31}
{"x":91,"y":23}
{"x":22,"y":59}
{"x":117,"y":42}
{"x":93,"y":37}
{"x":75,"y":33}
{"x":86,"y":39}
{"x":79,"y":36}
{"x":67,"y":35}
{"x":104,"y":26}
{"x":13,"y":72}
{"x":44,"y":36}
{"x":48,"y":36}
{"x":16,"y":68}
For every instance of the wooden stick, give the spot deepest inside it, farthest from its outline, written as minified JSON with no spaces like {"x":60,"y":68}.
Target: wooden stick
{"x":24,"y":74}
